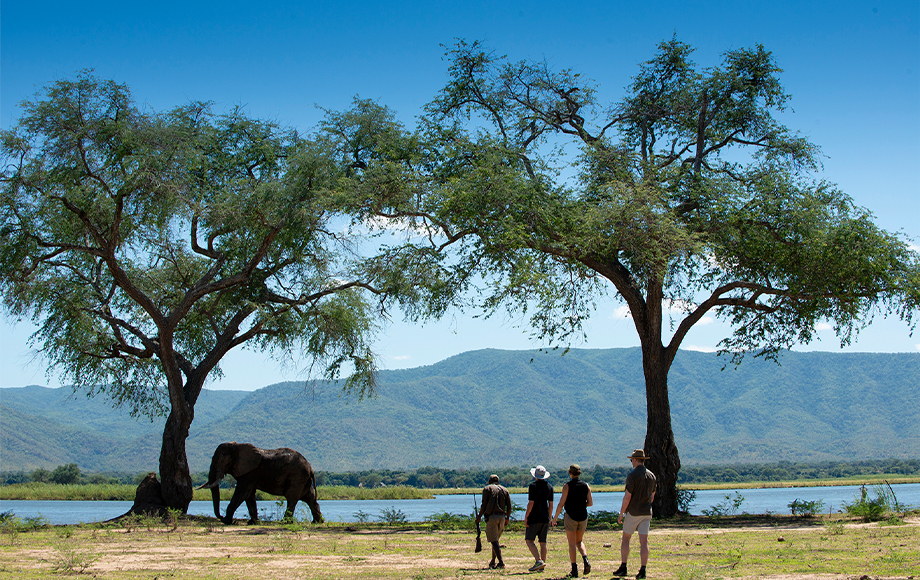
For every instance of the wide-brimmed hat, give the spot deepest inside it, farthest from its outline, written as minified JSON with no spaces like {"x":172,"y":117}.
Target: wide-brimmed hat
{"x":638,"y":454}
{"x":539,"y":472}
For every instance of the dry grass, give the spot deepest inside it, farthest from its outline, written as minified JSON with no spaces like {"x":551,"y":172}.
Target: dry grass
{"x":696,"y":548}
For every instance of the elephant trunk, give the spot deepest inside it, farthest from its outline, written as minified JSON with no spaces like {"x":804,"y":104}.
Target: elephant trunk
{"x":215,"y":497}
{"x":214,"y":477}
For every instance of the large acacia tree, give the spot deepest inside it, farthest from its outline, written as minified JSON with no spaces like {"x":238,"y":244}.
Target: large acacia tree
{"x":687,"y":198}
{"x":147,"y":246}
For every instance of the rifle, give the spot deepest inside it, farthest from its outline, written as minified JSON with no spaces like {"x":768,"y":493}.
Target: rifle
{"x":478,"y":528}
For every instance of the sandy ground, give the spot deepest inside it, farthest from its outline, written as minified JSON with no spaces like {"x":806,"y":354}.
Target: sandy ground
{"x":244,"y":552}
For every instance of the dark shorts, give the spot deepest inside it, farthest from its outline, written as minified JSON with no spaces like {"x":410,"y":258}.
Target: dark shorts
{"x":534,"y":531}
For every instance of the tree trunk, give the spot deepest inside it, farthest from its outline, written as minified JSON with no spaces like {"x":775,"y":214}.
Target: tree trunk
{"x":176,"y":479}
{"x":664,"y":461}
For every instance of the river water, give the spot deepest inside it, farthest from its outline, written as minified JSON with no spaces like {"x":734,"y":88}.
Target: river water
{"x":753,"y":501}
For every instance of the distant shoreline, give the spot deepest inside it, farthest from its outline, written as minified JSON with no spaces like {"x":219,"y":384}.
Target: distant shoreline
{"x":126,"y":492}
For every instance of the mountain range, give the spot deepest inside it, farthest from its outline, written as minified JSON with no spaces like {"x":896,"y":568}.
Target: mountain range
{"x":504,"y":408}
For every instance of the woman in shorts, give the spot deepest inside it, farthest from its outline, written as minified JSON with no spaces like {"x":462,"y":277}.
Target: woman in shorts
{"x":576,"y":499}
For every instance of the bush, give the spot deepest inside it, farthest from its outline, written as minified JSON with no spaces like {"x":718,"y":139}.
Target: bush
{"x":604,"y":518}
{"x":66,"y":474}
{"x":393,"y":516}
{"x":40,"y":475}
{"x":727,"y":507}
{"x":805,"y":508}
{"x":685,"y":499}
{"x":449,"y":521}
{"x":870,"y":509}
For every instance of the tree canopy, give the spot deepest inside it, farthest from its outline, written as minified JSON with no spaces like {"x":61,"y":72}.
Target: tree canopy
{"x":687,"y":195}
{"x":148,"y":245}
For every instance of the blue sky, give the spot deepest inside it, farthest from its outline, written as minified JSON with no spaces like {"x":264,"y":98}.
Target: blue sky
{"x":852,"y":68}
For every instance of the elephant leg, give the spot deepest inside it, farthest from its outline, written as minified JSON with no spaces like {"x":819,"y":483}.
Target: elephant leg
{"x":291,"y":505}
{"x":317,"y":515}
{"x":253,"y":510}
{"x":242,"y":491}
{"x":310,"y":499}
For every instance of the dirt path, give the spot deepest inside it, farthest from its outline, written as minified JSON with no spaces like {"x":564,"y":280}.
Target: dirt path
{"x":781,"y":551}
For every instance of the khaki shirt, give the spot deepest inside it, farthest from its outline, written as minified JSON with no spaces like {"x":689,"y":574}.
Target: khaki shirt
{"x":641,"y":483}
{"x":495,"y":500}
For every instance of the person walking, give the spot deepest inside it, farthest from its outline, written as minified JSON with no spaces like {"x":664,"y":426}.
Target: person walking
{"x":496,"y":507}
{"x":576,"y":499}
{"x":637,"y":505}
{"x":536,"y":518}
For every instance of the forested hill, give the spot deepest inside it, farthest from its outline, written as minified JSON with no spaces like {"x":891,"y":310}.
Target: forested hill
{"x":503,"y":408}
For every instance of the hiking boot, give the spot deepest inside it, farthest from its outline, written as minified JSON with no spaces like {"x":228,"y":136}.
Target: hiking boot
{"x":641,"y":574}
{"x":587,"y":567}
{"x":621,"y":571}
{"x":537,"y":566}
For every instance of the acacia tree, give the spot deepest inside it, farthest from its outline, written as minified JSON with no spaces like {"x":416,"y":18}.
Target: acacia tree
{"x":688,"y":197}
{"x":147,"y":246}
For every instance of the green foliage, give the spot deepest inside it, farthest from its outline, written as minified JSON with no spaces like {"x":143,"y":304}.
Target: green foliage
{"x":12,"y":525}
{"x":130,"y":522}
{"x":685,"y":499}
{"x":729,"y":506}
{"x":689,"y":186}
{"x":340,"y":491}
{"x":449,"y":521}
{"x":40,"y":475}
{"x":604,"y":518}
{"x":393,"y":516}
{"x":76,"y":492}
{"x":66,"y":474}
{"x":834,"y":527}
{"x":805,"y":508}
{"x":147,"y":245}
{"x":213,"y":224}
{"x":172,"y":519}
{"x":362,"y":516}
{"x":72,"y":558}
{"x":690,"y":198}
{"x":872,"y":507}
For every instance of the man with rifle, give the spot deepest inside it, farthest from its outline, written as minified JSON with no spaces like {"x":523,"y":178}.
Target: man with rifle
{"x":496,"y":508}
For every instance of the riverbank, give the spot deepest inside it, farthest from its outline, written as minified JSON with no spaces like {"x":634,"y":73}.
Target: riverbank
{"x":774,"y":547}
{"x":125,"y":492}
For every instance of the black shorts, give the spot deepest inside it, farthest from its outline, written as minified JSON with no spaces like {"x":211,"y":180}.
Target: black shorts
{"x":533,"y":531}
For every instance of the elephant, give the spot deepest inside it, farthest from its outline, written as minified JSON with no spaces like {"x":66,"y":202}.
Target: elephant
{"x":283,"y":472}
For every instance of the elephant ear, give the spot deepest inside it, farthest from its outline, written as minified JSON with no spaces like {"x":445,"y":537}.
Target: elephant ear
{"x":248,"y":459}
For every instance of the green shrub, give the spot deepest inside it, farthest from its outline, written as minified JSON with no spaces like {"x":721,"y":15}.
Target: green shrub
{"x":727,"y":507}
{"x":362,"y":516}
{"x":12,"y":525}
{"x":70,"y":558}
{"x":685,"y":499}
{"x":449,"y":521}
{"x":806,"y":508}
{"x":870,"y":509}
{"x":604,"y":517}
{"x":834,"y":527}
{"x":393,"y":516}
{"x":66,"y":474}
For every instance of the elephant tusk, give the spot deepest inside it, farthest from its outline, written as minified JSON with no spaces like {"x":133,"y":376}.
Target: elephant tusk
{"x":209,"y":485}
